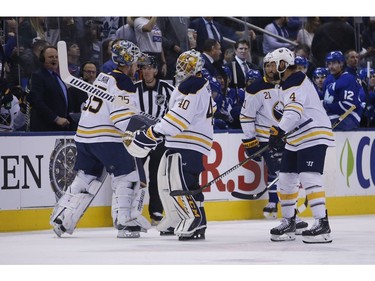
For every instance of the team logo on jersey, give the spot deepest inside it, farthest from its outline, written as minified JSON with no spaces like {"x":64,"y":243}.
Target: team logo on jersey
{"x":277,"y":110}
{"x":160,"y":99}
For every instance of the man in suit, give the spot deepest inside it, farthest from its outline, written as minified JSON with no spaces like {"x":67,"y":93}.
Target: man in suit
{"x":48,"y":96}
{"x":206,"y":28}
{"x":242,"y":66}
{"x":211,"y":56}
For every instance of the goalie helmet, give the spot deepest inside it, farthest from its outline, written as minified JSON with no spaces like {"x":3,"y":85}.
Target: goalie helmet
{"x":125,"y":53}
{"x":282,"y":54}
{"x":188,"y":64}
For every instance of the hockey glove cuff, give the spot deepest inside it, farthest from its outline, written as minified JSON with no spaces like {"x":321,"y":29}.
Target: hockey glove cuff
{"x":276,"y":138}
{"x":252,"y":147}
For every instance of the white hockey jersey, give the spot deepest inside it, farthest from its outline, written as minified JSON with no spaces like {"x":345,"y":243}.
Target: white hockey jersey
{"x":301,"y":102}
{"x":189,"y":122}
{"x":261,"y":110}
{"x":103,"y":121}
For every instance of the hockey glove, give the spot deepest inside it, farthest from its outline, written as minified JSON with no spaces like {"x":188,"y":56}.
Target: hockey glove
{"x":140,"y":143}
{"x":276,"y":142}
{"x":252,"y":147}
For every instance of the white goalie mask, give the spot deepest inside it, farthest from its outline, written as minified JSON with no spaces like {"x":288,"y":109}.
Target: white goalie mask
{"x":188,"y":64}
{"x":125,"y":53}
{"x":282,"y":54}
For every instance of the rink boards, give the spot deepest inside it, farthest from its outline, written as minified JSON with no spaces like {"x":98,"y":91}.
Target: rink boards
{"x":35,"y":169}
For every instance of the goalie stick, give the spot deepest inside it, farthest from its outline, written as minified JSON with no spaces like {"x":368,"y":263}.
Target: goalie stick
{"x":259,"y":152}
{"x":87,"y":87}
{"x":260,"y":194}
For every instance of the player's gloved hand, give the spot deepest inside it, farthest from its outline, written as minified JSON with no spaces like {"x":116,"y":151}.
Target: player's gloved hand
{"x":252,"y":147}
{"x":276,"y":138}
{"x":140,"y":143}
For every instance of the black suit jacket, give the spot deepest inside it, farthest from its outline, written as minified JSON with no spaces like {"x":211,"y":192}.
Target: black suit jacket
{"x":241,"y":79}
{"x":200,"y":26}
{"x":47,"y":102}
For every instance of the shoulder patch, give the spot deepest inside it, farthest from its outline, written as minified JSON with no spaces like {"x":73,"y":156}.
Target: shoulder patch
{"x":192,"y":85}
{"x":293,"y":80}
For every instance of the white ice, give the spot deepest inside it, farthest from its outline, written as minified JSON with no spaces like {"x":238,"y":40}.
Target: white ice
{"x":227,"y":243}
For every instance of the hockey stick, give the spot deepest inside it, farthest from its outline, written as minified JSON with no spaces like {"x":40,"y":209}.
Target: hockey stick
{"x":258,"y":195}
{"x":256,"y":154}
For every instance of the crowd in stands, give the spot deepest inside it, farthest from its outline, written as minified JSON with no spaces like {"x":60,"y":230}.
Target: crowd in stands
{"x":327,"y":49}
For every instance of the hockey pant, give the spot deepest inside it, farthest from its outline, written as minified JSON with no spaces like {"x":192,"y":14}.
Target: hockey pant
{"x":128,"y":201}
{"x":74,"y":202}
{"x":183,"y":213}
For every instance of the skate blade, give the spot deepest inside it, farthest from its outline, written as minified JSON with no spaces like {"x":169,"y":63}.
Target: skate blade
{"x":128,"y":234}
{"x":318,"y":239}
{"x":285,"y":237}
{"x":58,"y":230}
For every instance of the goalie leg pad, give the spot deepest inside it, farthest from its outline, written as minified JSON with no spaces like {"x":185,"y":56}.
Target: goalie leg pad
{"x":187,"y":207}
{"x":171,"y":218}
{"x":73,"y":204}
{"x":127,"y":202}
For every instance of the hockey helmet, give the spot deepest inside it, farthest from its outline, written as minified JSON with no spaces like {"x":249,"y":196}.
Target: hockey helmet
{"x":282,"y":54}
{"x":335,"y":56}
{"x":125,"y":53}
{"x":320,"y":72}
{"x":188,"y":64}
{"x":363,"y":73}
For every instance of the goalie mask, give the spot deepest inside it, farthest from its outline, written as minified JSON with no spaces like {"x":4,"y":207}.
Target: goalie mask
{"x":188,"y":64}
{"x":125,"y":53}
{"x":282,"y":54}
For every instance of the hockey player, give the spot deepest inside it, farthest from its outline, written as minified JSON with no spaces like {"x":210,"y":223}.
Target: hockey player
{"x":152,"y":97}
{"x":99,"y":145}
{"x":188,"y":132}
{"x":303,"y":158}
{"x":319,"y":76}
{"x":261,"y":110}
{"x":341,"y":91}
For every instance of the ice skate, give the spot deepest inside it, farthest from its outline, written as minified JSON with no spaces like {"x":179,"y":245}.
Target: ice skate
{"x":129,"y":232}
{"x":199,"y":234}
{"x":156,"y":217}
{"x":270,"y":210}
{"x":168,"y":232}
{"x":285,"y":231}
{"x":58,"y":227}
{"x":318,"y":233}
{"x":300,"y":225}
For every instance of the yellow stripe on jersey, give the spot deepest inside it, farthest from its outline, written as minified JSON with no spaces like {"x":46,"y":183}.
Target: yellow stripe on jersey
{"x":262,"y":132}
{"x":195,"y":138}
{"x":312,"y":135}
{"x":175,"y":120}
{"x":81,"y":131}
{"x":120,"y":116}
{"x":293,"y":107}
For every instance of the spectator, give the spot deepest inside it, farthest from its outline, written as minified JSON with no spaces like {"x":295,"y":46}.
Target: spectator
{"x":48,"y":96}
{"x":89,"y":44}
{"x":126,"y":32}
{"x":368,"y":43}
{"x":306,"y":34}
{"x":73,"y":58}
{"x":77,"y":97}
{"x":107,"y":63}
{"x":352,"y":62}
{"x":206,"y":28}
{"x":278,"y":27}
{"x":211,"y":56}
{"x":149,"y":40}
{"x":175,"y":40}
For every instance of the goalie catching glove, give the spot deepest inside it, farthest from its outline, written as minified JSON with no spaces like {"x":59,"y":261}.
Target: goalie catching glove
{"x":140,"y":143}
{"x":252,"y":147}
{"x":276,"y":141}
